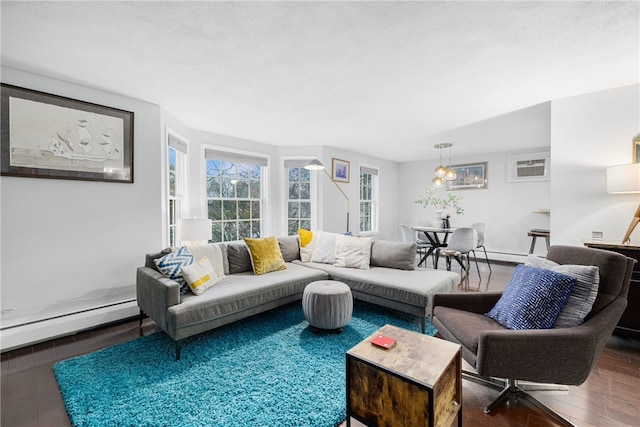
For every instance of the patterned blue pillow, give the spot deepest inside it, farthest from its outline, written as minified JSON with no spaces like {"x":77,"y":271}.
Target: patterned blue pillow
{"x":170,"y":266}
{"x":533,"y":298}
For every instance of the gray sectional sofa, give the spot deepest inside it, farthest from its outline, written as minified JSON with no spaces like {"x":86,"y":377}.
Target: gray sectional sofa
{"x":241,"y":294}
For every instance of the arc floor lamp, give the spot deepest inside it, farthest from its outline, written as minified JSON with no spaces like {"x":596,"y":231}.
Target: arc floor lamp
{"x":316,"y":165}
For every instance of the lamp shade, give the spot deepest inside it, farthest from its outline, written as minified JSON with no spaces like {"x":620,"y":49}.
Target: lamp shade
{"x":623,"y":178}
{"x":195,"y":229}
{"x":314,"y":165}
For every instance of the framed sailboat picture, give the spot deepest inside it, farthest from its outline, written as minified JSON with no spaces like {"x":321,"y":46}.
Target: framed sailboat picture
{"x":50,"y":136}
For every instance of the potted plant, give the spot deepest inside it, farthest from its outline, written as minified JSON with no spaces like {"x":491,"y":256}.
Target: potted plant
{"x":441,"y":202}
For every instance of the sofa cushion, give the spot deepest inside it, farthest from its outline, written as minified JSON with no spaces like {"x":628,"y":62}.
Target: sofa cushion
{"x":200,"y":276}
{"x":265,"y":255}
{"x":354,"y":252}
{"x":239,"y":258}
{"x":289,"y":247}
{"x":583,"y":294}
{"x":532,"y":299}
{"x":324,"y":249}
{"x":400,"y":255}
{"x":170,"y":265}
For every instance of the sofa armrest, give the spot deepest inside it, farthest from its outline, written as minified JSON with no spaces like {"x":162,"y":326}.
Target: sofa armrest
{"x":155,"y":294}
{"x":472,"y":302}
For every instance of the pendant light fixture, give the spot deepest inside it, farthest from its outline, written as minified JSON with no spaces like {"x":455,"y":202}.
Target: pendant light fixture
{"x":443,"y":173}
{"x":451,"y":173}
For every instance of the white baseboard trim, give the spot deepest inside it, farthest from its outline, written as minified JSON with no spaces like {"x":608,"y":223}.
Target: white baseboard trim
{"x":33,"y":333}
{"x":503,"y":256}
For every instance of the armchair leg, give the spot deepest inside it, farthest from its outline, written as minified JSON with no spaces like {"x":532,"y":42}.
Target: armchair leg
{"x":510,"y":386}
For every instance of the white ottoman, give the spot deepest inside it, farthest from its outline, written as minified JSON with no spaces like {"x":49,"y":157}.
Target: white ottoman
{"x":327,"y":304}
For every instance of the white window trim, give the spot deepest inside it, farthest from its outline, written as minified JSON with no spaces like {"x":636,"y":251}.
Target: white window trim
{"x":181,"y":183}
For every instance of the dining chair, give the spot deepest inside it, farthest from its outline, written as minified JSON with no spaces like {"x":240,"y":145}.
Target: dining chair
{"x":480,"y":227}
{"x":410,"y":235}
{"x":463,"y":241}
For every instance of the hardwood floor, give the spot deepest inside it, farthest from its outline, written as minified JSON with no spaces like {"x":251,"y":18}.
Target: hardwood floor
{"x":609,"y":397}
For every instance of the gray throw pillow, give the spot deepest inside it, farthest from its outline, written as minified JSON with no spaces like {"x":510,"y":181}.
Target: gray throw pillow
{"x":583,"y":294}
{"x":148,"y":262}
{"x":239,"y":259}
{"x":399,"y":255}
{"x":290,"y":248}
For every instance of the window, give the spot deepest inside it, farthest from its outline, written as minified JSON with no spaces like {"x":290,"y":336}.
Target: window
{"x":299,"y":196}
{"x":234,"y":195}
{"x":176,"y":151}
{"x":368,"y":199}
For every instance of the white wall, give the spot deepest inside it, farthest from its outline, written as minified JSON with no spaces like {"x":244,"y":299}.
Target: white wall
{"x":72,"y":244}
{"x":588,"y":134}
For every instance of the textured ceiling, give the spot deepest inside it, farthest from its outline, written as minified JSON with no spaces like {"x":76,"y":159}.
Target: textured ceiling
{"x":382,"y":78}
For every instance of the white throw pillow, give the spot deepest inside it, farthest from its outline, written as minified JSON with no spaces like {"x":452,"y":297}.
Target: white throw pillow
{"x":324,"y":250}
{"x":353,"y":252}
{"x":213,"y":253}
{"x":200,"y":276}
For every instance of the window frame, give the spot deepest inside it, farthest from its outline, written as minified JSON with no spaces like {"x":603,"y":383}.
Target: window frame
{"x":176,"y":201}
{"x":374,"y":173}
{"x":287,"y":163}
{"x":235,"y":157}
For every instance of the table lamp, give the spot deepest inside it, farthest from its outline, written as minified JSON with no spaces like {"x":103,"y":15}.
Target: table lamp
{"x":623,"y":179}
{"x":195,"y":230}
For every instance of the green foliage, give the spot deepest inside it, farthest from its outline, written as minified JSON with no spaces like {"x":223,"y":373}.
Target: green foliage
{"x":441,"y":201}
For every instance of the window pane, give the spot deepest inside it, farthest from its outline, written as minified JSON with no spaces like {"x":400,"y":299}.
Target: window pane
{"x":305,"y":224}
{"x":255,"y":229}
{"x":255,"y":210}
{"x":294,"y":190}
{"x":172,"y":172}
{"x":254,"y":189}
{"x":230,"y":231}
{"x":230,"y":208}
{"x":242,"y":189}
{"x":294,"y":174}
{"x":244,"y":209}
{"x":244,"y":229}
{"x":305,"y":210}
{"x":305,"y":191}
{"x":216,"y":235}
{"x":305,"y":175}
{"x":293,"y":211}
{"x":292,"y":228}
{"x":215,"y":210}
{"x":228,"y":189}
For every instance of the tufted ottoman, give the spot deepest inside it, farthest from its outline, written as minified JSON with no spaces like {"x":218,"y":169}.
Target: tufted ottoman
{"x":327,"y":304}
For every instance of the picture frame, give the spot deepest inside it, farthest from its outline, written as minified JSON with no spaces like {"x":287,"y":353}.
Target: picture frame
{"x":51,"y":136}
{"x":636,"y":149}
{"x":340,"y":170}
{"x":471,"y":176}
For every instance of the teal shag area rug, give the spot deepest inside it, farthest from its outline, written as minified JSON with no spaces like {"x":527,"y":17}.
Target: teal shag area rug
{"x":268,"y":370}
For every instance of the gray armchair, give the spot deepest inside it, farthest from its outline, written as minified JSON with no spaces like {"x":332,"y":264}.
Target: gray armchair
{"x":557,"y":356}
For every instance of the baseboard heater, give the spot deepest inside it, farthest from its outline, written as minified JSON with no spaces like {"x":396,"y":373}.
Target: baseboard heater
{"x":29,"y":332}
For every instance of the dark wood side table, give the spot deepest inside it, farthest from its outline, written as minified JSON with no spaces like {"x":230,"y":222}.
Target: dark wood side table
{"x":629,"y":324}
{"x":417,"y":382}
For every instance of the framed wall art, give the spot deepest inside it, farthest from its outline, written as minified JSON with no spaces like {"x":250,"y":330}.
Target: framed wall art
{"x":471,"y":176}
{"x":340,"y":170}
{"x":636,"y":149}
{"x":50,"y":136}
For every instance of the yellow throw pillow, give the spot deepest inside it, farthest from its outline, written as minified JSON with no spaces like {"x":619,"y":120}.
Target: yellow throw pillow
{"x":200,"y":276}
{"x":265,"y":255}
{"x":305,"y":237}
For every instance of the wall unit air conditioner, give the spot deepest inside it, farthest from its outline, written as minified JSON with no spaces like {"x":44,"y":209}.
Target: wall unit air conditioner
{"x":529,"y":167}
